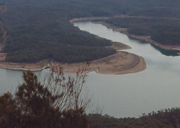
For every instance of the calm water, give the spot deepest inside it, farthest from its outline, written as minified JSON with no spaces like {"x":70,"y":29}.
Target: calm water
{"x":129,"y":95}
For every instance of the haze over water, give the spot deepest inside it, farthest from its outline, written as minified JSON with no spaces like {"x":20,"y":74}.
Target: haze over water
{"x":130,"y":95}
{"x":157,"y":87}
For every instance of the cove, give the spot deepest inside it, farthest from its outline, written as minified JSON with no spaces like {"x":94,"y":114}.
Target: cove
{"x":130,"y":95}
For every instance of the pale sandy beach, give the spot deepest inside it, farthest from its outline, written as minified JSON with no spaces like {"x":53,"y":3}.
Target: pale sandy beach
{"x":145,"y":38}
{"x":119,"y":63}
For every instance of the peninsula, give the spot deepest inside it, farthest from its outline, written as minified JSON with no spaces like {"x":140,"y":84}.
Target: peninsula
{"x":40,"y":34}
{"x":118,"y":63}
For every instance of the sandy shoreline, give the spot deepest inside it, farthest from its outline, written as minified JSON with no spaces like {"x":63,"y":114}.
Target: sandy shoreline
{"x":25,"y":66}
{"x":91,"y":18}
{"x":119,"y":63}
{"x":145,"y":38}
{"x":124,"y":30}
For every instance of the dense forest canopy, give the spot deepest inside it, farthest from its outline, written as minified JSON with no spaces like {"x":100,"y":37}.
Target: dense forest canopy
{"x":48,"y":30}
{"x":44,"y":26}
{"x":95,"y":7}
{"x":40,"y":29}
{"x":163,"y":30}
{"x":168,"y":118}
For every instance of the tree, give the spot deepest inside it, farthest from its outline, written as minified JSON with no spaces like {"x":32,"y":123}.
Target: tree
{"x":3,"y":29}
{"x":9,"y":112}
{"x":54,"y":103}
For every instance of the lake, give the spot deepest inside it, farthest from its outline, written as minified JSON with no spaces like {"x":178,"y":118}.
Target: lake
{"x":129,"y":95}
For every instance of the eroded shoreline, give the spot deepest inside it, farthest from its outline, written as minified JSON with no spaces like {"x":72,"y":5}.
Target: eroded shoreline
{"x":124,"y":30}
{"x":119,"y":63}
{"x":145,"y":38}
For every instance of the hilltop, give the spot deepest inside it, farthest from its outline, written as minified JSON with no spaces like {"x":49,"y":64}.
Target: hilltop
{"x":40,"y":30}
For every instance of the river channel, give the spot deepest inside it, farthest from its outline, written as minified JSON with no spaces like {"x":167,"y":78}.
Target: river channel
{"x":129,"y":95}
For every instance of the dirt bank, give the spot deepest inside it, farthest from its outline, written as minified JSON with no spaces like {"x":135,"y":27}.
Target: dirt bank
{"x":24,"y":66}
{"x":91,"y":18}
{"x":145,"y":38}
{"x":119,"y":63}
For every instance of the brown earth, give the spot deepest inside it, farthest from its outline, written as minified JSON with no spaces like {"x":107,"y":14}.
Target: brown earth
{"x":119,"y":63}
{"x":145,"y":38}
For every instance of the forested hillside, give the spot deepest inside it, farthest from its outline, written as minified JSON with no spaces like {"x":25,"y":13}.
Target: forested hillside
{"x":40,"y":29}
{"x":35,"y":34}
{"x":76,"y":8}
{"x":163,"y":30}
{"x":168,"y":118}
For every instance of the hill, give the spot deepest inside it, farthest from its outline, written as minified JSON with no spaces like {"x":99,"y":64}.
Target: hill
{"x":168,"y":118}
{"x":39,"y":30}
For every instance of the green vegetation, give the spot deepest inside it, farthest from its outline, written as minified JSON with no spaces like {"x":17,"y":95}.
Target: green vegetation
{"x":56,"y":102}
{"x":163,"y":30}
{"x":57,"y":41}
{"x":41,"y":30}
{"x":47,"y":35}
{"x":168,"y":118}
{"x":84,"y":8}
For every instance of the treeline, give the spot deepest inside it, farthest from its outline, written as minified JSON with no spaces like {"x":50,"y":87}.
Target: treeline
{"x":163,"y":30}
{"x":158,"y":12}
{"x":80,"y":8}
{"x":41,"y":30}
{"x":46,"y":34}
{"x":64,"y":54}
{"x":168,"y":118}
{"x":53,"y":103}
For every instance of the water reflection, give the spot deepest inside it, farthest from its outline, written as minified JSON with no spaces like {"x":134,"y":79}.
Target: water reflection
{"x":167,"y":52}
{"x":130,"y":95}
{"x":139,"y":41}
{"x":155,"y":88}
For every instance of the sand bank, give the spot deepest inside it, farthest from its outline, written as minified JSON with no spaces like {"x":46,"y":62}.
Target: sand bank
{"x":92,"y":18}
{"x":145,"y":38}
{"x":119,"y":63}
{"x":25,"y":66}
{"x":124,"y":30}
